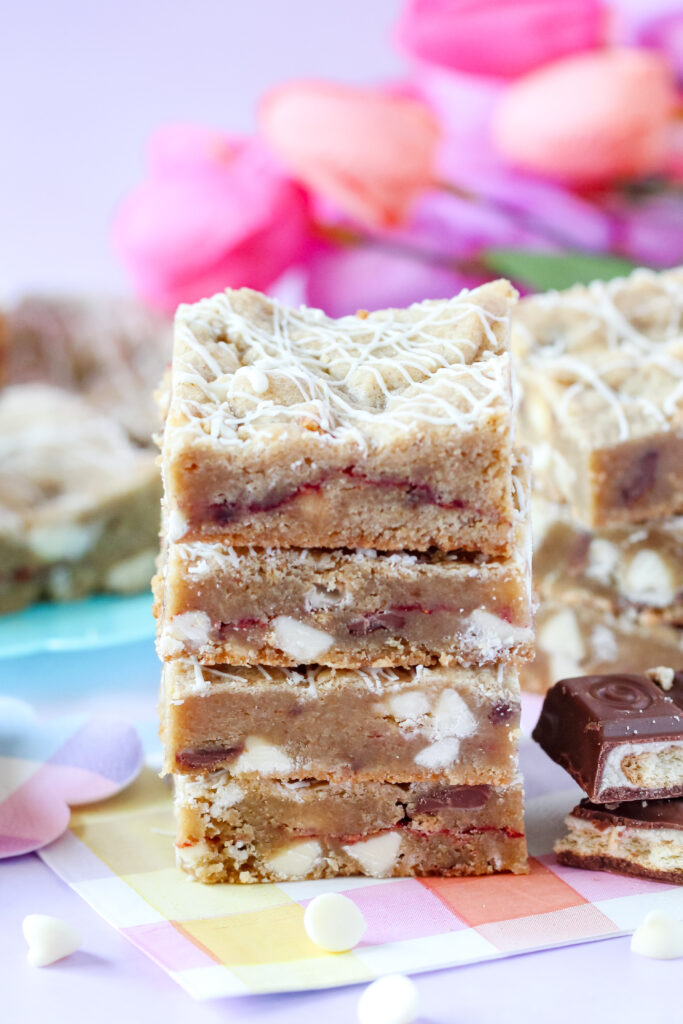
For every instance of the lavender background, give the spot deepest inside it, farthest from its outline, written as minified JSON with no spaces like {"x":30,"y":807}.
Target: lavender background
{"x":83,"y":82}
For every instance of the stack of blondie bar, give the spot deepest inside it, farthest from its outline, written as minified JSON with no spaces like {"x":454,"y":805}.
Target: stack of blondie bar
{"x":601,"y":370}
{"x":343,"y":593}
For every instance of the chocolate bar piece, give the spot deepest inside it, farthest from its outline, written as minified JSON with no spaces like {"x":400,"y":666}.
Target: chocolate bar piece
{"x":642,"y":838}
{"x":619,"y":736}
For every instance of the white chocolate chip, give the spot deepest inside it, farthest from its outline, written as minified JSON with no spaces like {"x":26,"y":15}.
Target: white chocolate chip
{"x":191,"y":628}
{"x":296,"y":860}
{"x":660,"y":936}
{"x":560,"y":634}
{"x":495,"y":633}
{"x":225,"y":797}
{"x":543,"y":515}
{"x":378,"y":855}
{"x":49,"y":939}
{"x":261,"y":756}
{"x":452,"y":717}
{"x":132,"y":573}
{"x":604,"y":643}
{"x":67,"y":542}
{"x":305,"y":643}
{"x":334,"y":922}
{"x":389,"y":1000}
{"x":177,"y":525}
{"x":318,"y":598}
{"x":603,"y":557}
{"x":258,"y":380}
{"x":441,"y":754}
{"x":648,"y":580}
{"x":408,"y":708}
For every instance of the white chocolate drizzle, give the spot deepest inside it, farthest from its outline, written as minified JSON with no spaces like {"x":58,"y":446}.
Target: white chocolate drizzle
{"x":245,"y":366}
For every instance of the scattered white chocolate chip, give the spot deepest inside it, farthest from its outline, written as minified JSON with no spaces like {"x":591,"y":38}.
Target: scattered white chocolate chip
{"x":296,"y":860}
{"x":334,"y":922}
{"x":305,"y":643}
{"x":377,"y":855}
{"x":662,"y":676}
{"x":648,"y":580}
{"x":261,"y":756}
{"x":389,"y":1000}
{"x":49,"y":939}
{"x":660,"y":936}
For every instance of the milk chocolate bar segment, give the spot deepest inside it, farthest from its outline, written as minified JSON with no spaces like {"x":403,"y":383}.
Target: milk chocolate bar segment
{"x":619,"y":736}
{"x":643,"y":838}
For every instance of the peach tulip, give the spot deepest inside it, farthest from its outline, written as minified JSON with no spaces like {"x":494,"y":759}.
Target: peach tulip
{"x":215,"y":211}
{"x":369,"y":152}
{"x":499,"y":37}
{"x":589,"y":120}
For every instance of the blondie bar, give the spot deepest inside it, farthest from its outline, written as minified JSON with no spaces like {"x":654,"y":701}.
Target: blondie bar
{"x":601,"y":373}
{"x":268,"y":830}
{"x":285,"y":606}
{"x":389,"y":430}
{"x":634,"y":568}
{"x":110,"y":351}
{"x":582,"y":637}
{"x":394,"y":724}
{"x":79,"y":503}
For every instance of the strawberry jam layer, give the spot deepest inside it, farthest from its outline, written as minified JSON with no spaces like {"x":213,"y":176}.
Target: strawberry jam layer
{"x":456,"y":834}
{"x":225,"y":511}
{"x":388,"y":620}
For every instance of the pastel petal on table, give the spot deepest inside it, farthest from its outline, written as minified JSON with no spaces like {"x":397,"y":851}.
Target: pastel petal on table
{"x":48,"y":767}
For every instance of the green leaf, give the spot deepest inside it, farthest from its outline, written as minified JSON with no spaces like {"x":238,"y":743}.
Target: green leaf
{"x":545,"y":270}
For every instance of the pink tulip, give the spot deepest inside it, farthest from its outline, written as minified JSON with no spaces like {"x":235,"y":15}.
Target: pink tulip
{"x":589,"y":120}
{"x":369,"y":152}
{"x":215,"y":211}
{"x":344,"y":280}
{"x":504,"y":38}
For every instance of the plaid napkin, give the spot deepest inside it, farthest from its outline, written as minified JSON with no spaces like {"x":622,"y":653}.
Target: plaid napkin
{"x":233,"y":940}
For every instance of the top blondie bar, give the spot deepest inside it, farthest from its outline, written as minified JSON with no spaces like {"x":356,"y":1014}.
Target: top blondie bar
{"x":601,"y":370}
{"x":385,"y":430}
